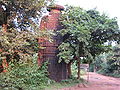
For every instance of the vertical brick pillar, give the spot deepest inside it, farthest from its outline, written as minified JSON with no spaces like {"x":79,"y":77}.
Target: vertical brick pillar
{"x":57,"y":71}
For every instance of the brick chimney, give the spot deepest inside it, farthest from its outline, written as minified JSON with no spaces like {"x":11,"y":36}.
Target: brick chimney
{"x":57,"y":71}
{"x":50,"y":21}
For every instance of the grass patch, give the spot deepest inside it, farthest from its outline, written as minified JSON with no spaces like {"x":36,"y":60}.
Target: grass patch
{"x":64,"y":83}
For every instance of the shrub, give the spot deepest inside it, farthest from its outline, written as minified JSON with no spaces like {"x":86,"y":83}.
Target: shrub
{"x":25,"y":75}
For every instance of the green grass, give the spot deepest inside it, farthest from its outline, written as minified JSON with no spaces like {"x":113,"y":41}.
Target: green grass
{"x":68,"y":82}
{"x":64,"y":84}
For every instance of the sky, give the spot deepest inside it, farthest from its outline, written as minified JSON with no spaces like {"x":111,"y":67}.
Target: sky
{"x":110,"y":7}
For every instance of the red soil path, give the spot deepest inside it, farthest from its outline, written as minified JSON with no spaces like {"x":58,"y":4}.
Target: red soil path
{"x":98,"y":82}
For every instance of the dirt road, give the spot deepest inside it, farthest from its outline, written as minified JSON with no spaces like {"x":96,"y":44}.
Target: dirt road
{"x":98,"y":82}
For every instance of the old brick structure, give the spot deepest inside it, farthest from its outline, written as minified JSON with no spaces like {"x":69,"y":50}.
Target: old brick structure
{"x":57,"y":71}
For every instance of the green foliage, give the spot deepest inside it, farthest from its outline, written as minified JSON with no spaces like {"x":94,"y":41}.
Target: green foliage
{"x":21,"y":45}
{"x":25,"y":75}
{"x":84,"y":34}
{"x":111,"y":63}
{"x":67,"y":52}
{"x":74,"y":70}
{"x":20,"y":41}
{"x":65,"y":83}
{"x":72,"y":80}
{"x":25,"y":12}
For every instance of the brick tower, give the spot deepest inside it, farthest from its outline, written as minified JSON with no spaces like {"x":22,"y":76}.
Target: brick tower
{"x":57,"y":71}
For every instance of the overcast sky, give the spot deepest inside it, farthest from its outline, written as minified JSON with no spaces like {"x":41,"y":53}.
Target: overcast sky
{"x":110,"y":7}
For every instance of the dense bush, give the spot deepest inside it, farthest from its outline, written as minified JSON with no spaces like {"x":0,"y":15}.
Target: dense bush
{"x":25,"y":75}
{"x":110,"y":63}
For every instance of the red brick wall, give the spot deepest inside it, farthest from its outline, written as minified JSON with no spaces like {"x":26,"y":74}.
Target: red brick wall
{"x":57,"y":71}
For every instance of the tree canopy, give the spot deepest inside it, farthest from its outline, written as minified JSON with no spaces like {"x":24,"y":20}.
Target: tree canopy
{"x":22,"y":13}
{"x":109,"y":63}
{"x":85,"y":32}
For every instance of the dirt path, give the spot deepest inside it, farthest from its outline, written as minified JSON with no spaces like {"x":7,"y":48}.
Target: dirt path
{"x":98,"y":82}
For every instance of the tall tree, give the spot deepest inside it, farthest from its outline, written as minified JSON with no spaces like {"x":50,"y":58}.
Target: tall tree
{"x":85,"y":33}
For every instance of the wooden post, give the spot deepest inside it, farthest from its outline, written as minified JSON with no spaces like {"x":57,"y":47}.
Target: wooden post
{"x":88,"y":77}
{"x":78,"y":69}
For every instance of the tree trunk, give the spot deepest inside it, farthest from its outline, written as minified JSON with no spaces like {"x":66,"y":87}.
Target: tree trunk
{"x":95,"y":68}
{"x":69,"y":69}
{"x":78,"y":69}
